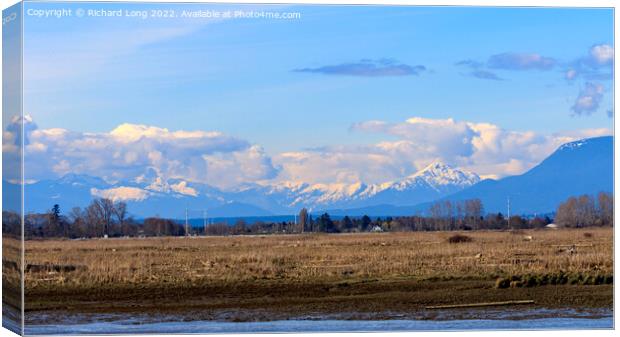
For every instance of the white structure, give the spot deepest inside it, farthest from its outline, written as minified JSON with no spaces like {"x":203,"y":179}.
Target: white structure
{"x":377,"y":229}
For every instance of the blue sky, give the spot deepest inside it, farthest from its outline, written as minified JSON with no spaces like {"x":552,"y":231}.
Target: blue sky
{"x":309,"y":84}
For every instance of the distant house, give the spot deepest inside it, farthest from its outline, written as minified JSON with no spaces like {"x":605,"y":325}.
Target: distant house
{"x":552,"y":226}
{"x":377,"y":229}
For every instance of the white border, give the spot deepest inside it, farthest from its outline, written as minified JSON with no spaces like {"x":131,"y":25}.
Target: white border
{"x":490,"y":3}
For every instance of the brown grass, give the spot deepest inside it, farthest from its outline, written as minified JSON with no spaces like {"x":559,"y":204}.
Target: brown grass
{"x":314,"y":258}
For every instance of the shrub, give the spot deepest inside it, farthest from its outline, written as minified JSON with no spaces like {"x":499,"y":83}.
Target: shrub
{"x":562,"y":278}
{"x":600,"y":279}
{"x":542,"y":280}
{"x":516,"y":284}
{"x":502,"y":283}
{"x":574,"y":279}
{"x":459,"y":238}
{"x":530,"y":281}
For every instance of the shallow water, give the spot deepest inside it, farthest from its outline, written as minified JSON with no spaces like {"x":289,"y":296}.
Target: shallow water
{"x":539,"y":319}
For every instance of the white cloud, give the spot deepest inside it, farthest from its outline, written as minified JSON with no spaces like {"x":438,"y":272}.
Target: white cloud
{"x":166,"y":161}
{"x":182,"y":188}
{"x":122,"y":193}
{"x":597,"y":65}
{"x":570,"y":74}
{"x":603,"y":54}
{"x":428,"y":136}
{"x":589,"y":98}
{"x":484,"y":148}
{"x":130,"y":151}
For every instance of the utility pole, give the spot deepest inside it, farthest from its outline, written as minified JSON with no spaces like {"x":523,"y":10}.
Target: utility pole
{"x":204,"y":218}
{"x":186,"y":222}
{"x":509,"y":213}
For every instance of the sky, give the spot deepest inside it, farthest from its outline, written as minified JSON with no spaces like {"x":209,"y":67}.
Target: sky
{"x":337,"y":94}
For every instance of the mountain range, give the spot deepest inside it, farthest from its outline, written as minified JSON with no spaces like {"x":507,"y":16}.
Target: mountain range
{"x":580,"y":167}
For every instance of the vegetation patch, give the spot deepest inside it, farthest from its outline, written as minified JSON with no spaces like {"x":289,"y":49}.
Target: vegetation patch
{"x":561,"y":278}
{"x":459,"y":238}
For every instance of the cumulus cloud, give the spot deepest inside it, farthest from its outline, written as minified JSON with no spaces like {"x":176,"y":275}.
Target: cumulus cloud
{"x":602,"y":54}
{"x":147,"y":154}
{"x":182,"y":188}
{"x":596,"y":65}
{"x":161,"y":160}
{"x":589,"y":99}
{"x":122,"y":193}
{"x":484,"y":148}
{"x":446,"y":136}
{"x":368,"y":68}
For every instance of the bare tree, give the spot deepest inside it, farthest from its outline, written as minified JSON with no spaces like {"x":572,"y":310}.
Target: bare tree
{"x":606,"y":208}
{"x":436,"y":215}
{"x":586,"y":211}
{"x":566,"y":214}
{"x":473,"y":211}
{"x":120,"y":211}
{"x":100,"y":213}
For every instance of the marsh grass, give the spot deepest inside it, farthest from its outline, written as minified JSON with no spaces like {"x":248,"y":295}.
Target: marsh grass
{"x":173,"y":261}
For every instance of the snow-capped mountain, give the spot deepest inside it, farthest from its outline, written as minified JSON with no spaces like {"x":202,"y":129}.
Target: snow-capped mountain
{"x":581,"y":167}
{"x":147,"y":197}
{"x":438,"y":176}
{"x":432,"y":182}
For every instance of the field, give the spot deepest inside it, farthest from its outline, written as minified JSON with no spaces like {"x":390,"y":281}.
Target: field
{"x":282,"y":276}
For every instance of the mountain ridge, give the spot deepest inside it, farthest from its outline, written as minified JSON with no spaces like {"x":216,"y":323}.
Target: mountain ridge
{"x":150,"y":197}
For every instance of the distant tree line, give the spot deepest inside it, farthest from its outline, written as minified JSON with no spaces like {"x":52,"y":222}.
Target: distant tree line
{"x":105,"y":218}
{"x":102,"y":218}
{"x":586,"y":210}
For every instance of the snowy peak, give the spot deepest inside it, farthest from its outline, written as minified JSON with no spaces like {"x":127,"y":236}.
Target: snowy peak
{"x":592,"y":143}
{"x":438,"y":176}
{"x":434,"y":181}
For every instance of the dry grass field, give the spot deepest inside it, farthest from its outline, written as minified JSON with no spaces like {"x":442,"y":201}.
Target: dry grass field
{"x":421,"y":265}
{"x":314,"y":257}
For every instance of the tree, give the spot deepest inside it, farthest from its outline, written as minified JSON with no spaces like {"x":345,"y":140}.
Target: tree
{"x":240,"y":227}
{"x":120,"y":211}
{"x":605,"y":203}
{"x":448,"y":215}
{"x":473,"y":211}
{"x":156,"y":226}
{"x":53,"y":227}
{"x":347,"y":224}
{"x":366,"y":221}
{"x":303,"y":219}
{"x":56,"y":213}
{"x":566,"y":213}
{"x":79,"y":226}
{"x":435,"y":211}
{"x":585,"y":210}
{"x":326,"y":224}
{"x":100,"y":213}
